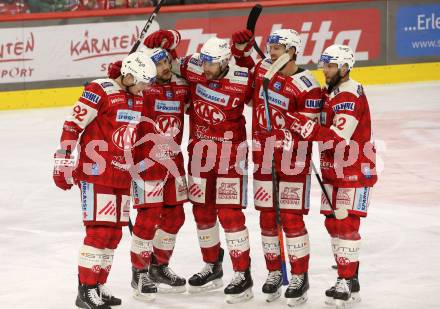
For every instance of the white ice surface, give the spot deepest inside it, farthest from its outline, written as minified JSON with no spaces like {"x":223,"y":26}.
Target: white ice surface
{"x":41,"y":229}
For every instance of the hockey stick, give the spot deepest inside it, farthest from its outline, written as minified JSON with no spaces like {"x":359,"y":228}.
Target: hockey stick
{"x":133,"y":49}
{"x":147,"y":26}
{"x":251,"y":23}
{"x":275,"y":67}
{"x":340,"y":213}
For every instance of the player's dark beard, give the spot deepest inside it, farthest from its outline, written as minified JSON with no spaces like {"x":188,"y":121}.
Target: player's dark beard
{"x":334,"y":81}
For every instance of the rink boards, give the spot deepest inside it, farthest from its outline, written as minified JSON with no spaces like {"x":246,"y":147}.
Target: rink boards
{"x":389,"y":74}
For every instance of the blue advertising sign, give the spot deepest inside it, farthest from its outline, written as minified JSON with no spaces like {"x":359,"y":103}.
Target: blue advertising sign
{"x":418,"y":31}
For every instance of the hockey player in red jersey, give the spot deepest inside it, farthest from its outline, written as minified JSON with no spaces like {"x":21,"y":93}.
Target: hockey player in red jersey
{"x":347,"y":165}
{"x":161,"y":190}
{"x":292,"y":89}
{"x":102,"y":126}
{"x":217,"y":161}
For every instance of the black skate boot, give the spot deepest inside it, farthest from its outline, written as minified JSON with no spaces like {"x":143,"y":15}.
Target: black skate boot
{"x":107,"y":296}
{"x":88,"y":298}
{"x":209,"y":278}
{"x":166,"y":280}
{"x":272,"y":286}
{"x":344,"y":295}
{"x":240,"y":288}
{"x":355,"y":289}
{"x":296,"y":292}
{"x":143,"y":288}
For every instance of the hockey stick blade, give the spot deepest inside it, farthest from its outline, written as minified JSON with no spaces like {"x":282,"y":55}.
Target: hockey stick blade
{"x":276,"y":66}
{"x":253,"y":17}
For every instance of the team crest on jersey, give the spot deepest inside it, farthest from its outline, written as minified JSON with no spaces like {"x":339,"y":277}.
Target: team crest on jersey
{"x":241,"y":74}
{"x":278,"y":121}
{"x":347,"y":106}
{"x":306,"y":81}
{"x":169,"y":94}
{"x":168,"y":124}
{"x":275,"y":99}
{"x":91,"y":97}
{"x":277,"y":86}
{"x":314,"y":104}
{"x":167,"y":106}
{"x":124,"y":137}
{"x":209,"y":112}
{"x":211,"y":95}
{"x":124,"y":115}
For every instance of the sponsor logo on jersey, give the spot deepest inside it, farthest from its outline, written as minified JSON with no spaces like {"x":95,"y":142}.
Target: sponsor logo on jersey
{"x":180,"y":91}
{"x":306,"y":81}
{"x":241,"y":74}
{"x":91,"y":97}
{"x":211,"y":95}
{"x":344,"y":106}
{"x":116,"y":99}
{"x":233,"y":88}
{"x":106,"y":84}
{"x":362,"y":199}
{"x":227,"y":191}
{"x":277,"y":86}
{"x":208,"y":112}
{"x":169,"y":94}
{"x":124,"y":115}
{"x":167,"y":106}
{"x":276,"y":99}
{"x":314,"y":104}
{"x":138,"y":101}
{"x":343,"y":196}
{"x":290,"y":196}
{"x":214,"y":85}
{"x":195,"y":61}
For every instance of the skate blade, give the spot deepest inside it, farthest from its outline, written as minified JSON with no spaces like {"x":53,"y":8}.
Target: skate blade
{"x":145,"y":297}
{"x":295,"y":302}
{"x":212,"y":285}
{"x":239,"y":298}
{"x":340,"y":304}
{"x":273,"y":296}
{"x":168,"y":289}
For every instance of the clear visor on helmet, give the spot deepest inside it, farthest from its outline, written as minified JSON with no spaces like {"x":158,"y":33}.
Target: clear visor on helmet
{"x":325,"y":59}
{"x":159,"y":56}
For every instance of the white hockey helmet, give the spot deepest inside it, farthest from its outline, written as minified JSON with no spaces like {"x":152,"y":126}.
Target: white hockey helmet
{"x":339,"y":54}
{"x":156,"y":54}
{"x":215,"y":50}
{"x":141,"y":66}
{"x":287,"y":37}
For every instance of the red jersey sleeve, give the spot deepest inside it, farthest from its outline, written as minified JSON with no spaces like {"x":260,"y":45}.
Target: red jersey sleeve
{"x":83,"y":113}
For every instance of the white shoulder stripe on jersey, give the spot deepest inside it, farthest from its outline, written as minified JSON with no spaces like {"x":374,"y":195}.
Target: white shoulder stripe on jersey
{"x":82,"y":115}
{"x":344,"y":125}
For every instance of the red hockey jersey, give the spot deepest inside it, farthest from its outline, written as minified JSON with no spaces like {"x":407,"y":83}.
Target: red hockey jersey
{"x":300,"y":92}
{"x":216,"y":107}
{"x":162,"y":128}
{"x":103,"y":124}
{"x":346,"y":115}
